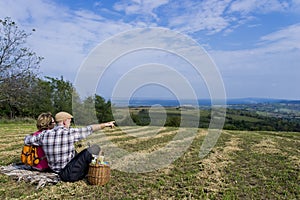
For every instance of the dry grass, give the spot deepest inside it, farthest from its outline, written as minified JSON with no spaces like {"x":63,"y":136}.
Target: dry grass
{"x":213,"y":166}
{"x":242,"y":165}
{"x":266,"y":146}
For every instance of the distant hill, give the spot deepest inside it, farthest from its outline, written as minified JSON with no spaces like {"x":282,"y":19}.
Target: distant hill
{"x":136,"y":102}
{"x":260,"y":100}
{"x":241,"y":114}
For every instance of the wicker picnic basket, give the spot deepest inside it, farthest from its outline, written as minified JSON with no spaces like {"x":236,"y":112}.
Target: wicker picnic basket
{"x":98,"y":174}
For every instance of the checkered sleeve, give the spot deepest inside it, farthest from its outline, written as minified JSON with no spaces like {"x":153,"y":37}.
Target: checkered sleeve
{"x":33,"y":140}
{"x":81,"y":133}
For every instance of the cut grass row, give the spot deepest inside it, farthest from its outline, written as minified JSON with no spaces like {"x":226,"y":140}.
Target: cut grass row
{"x":242,"y":165}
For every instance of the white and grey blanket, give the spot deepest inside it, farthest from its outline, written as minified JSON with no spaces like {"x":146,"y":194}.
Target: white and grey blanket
{"x":21,"y":172}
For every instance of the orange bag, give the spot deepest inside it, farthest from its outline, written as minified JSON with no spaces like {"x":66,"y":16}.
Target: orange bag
{"x":29,"y":155}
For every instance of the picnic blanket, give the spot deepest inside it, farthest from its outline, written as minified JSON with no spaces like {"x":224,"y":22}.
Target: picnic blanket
{"x":21,"y":172}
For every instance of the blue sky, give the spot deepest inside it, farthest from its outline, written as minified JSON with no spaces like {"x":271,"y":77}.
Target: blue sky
{"x":255,"y":44}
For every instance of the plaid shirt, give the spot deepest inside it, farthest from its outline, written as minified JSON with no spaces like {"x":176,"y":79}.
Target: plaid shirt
{"x":58,"y":144}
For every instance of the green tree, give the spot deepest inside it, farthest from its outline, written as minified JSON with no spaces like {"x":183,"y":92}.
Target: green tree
{"x":40,"y":99}
{"x":87,"y":114}
{"x":18,"y":67}
{"x":173,"y":121}
{"x":103,"y":109}
{"x":61,"y":95}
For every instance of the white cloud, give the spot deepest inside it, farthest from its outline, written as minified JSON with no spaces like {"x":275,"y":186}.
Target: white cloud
{"x":214,"y":16}
{"x":193,"y":16}
{"x":284,"y":43}
{"x":287,"y":39}
{"x":248,"y":6}
{"x":273,"y":62}
{"x":141,"y":7}
{"x":295,"y":7}
{"x":63,"y":37}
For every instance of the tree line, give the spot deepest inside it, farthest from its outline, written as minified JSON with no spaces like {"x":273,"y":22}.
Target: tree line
{"x":235,"y":119}
{"x":54,"y":95}
{"x":24,"y":94}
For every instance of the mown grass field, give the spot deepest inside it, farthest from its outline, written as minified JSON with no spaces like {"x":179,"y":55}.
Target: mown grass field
{"x":242,"y":165}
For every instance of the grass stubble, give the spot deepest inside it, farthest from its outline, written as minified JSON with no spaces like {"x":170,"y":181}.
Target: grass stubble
{"x":242,"y":165}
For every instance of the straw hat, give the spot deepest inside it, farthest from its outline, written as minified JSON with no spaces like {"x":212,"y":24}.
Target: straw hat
{"x":61,"y":116}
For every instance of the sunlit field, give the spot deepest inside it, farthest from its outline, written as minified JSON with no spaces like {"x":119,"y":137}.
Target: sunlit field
{"x":242,"y":165}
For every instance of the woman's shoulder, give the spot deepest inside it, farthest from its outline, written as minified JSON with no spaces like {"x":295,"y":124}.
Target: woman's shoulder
{"x":37,"y":132}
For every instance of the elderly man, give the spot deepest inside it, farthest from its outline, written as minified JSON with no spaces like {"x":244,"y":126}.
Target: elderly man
{"x":58,"y":145}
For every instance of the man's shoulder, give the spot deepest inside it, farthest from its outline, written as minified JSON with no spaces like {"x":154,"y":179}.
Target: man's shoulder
{"x":53,"y":131}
